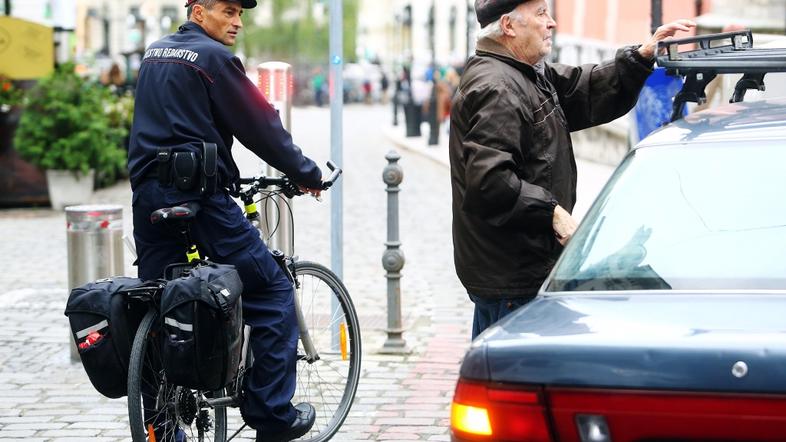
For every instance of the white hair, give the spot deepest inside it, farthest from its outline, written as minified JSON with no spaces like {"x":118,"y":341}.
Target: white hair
{"x":493,"y":30}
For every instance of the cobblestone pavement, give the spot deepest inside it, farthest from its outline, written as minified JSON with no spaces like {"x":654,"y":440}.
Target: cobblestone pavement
{"x":44,"y":396}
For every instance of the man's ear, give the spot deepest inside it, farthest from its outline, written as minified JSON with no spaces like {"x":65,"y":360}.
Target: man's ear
{"x":506,"y":24}
{"x":198,"y":13}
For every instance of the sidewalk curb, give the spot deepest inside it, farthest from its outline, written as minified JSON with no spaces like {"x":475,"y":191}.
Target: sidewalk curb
{"x":417,"y":145}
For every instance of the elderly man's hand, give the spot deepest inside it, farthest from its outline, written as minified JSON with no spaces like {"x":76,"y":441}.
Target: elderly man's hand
{"x":563,"y":224}
{"x":647,"y":50}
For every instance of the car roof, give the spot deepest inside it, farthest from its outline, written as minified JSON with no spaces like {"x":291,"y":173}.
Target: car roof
{"x":745,"y":121}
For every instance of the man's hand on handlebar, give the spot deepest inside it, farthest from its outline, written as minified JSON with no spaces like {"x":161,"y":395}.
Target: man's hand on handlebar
{"x":307,"y":190}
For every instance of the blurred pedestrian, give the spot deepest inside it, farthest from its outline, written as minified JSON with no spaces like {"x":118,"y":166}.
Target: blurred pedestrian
{"x":318,"y":84}
{"x":367,"y":91}
{"x":384,"y":84}
{"x":443,"y":98}
{"x":513,"y":172}
{"x":114,"y":79}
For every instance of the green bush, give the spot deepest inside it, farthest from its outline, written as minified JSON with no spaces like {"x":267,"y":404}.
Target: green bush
{"x":66,"y":125}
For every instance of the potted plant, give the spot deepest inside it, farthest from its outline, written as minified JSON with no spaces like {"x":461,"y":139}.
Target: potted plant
{"x":65,"y":130}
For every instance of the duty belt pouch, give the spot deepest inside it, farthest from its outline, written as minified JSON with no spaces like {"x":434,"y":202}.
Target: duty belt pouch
{"x":103,"y":323}
{"x":201,"y":327}
{"x":209,"y":177}
{"x":164,"y":166}
{"x":185,"y":170}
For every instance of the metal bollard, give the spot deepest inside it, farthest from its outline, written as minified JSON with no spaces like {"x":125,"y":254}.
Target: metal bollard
{"x":94,"y":238}
{"x":276,"y":82}
{"x":393,"y":259}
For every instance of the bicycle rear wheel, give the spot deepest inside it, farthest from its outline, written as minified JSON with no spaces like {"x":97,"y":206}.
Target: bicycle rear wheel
{"x":330,"y":382}
{"x":172,"y":412}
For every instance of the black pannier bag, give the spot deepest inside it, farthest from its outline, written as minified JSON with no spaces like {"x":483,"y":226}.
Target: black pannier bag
{"x":103,"y":324}
{"x":202,"y":325}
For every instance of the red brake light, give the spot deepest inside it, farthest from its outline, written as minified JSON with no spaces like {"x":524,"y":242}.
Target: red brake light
{"x":498,"y":412}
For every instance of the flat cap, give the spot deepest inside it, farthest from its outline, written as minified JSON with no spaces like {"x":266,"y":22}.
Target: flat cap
{"x":489,"y":11}
{"x":245,"y":4}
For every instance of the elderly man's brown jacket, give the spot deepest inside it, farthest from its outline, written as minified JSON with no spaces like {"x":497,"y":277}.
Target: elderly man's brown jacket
{"x":512,"y":159}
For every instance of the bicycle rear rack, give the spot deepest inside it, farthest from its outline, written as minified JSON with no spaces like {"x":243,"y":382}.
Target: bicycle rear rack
{"x":725,"y":53}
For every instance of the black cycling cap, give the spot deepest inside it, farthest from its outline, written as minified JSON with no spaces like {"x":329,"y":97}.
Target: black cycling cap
{"x":245,"y":4}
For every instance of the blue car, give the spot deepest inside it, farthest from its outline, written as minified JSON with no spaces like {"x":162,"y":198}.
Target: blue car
{"x":665,"y":317}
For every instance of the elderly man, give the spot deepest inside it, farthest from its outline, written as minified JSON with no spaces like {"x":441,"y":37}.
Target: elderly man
{"x":513,"y":172}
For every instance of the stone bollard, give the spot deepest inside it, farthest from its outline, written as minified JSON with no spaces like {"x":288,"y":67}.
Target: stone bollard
{"x":393,"y":259}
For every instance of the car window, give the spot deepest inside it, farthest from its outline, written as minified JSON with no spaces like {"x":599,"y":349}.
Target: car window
{"x":711,"y":217}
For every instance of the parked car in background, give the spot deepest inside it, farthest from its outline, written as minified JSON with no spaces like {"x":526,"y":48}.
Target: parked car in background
{"x":356,"y":76}
{"x":665,"y":317}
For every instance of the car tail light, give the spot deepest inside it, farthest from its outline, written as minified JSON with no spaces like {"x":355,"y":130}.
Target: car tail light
{"x":498,"y":412}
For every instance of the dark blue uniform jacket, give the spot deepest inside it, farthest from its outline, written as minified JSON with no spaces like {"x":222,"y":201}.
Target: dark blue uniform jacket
{"x":192,"y":89}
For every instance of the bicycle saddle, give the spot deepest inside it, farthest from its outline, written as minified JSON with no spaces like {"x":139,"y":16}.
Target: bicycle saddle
{"x":183,"y":212}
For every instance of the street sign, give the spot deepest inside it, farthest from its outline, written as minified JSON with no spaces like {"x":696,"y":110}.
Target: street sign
{"x":26,"y":49}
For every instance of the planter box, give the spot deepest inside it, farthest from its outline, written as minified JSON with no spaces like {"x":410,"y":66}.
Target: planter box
{"x":20,"y":182}
{"x":67,"y":188}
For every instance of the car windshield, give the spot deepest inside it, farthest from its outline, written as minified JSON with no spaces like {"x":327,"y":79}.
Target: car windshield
{"x":698,"y":218}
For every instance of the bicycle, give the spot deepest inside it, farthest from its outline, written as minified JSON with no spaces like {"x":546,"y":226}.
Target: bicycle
{"x":329,"y":348}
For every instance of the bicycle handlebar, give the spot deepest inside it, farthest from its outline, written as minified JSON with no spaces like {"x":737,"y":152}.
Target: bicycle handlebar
{"x":335,"y":173}
{"x":288,"y":187}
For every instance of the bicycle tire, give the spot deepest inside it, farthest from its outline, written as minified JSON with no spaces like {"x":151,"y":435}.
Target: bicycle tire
{"x":181,"y":407}
{"x":330,"y":383}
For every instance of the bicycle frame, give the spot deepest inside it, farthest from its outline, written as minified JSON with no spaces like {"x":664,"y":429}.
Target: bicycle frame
{"x":252,"y":214}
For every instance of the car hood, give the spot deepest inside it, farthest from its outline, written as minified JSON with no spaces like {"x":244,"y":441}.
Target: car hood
{"x":698,"y":342}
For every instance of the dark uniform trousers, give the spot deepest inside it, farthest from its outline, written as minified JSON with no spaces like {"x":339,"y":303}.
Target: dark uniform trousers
{"x":225,"y":236}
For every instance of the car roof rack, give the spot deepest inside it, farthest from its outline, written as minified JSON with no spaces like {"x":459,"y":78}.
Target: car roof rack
{"x":724,"y":53}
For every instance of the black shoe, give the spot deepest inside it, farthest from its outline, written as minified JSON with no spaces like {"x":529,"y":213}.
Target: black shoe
{"x":304,"y":420}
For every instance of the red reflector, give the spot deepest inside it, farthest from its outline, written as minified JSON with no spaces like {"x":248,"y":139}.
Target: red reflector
{"x":515,"y":412}
{"x":657,"y":415}
{"x":514,"y":396}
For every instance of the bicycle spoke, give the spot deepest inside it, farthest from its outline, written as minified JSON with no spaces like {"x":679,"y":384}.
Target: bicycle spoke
{"x":328,"y":383}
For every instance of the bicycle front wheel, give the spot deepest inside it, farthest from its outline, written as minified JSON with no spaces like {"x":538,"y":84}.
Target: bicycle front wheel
{"x":328,"y":379}
{"x":171,"y":412}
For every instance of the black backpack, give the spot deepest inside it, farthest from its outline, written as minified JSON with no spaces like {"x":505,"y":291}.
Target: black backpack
{"x":103,"y":323}
{"x":202,"y":327}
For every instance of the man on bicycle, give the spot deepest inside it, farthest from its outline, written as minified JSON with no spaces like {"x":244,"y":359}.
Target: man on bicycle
{"x":192,"y":93}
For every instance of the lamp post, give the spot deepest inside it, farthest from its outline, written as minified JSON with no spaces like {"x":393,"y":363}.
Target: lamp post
{"x":433,"y":119}
{"x":657,"y":15}
{"x":470,"y":19}
{"x":397,"y":80}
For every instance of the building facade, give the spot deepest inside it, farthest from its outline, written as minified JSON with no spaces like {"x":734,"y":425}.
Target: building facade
{"x":117,"y":27}
{"x":419,"y":33}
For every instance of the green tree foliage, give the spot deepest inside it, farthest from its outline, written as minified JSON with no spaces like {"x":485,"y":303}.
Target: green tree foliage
{"x":66,"y":125}
{"x":300,"y":41}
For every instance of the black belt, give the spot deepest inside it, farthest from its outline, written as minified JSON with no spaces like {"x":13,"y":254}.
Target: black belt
{"x":186,"y":170}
